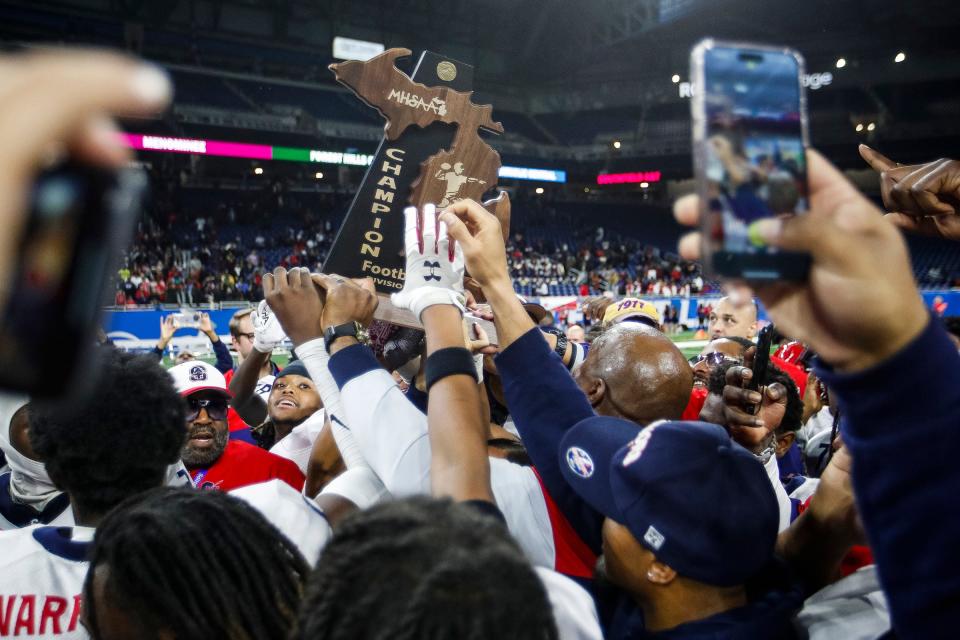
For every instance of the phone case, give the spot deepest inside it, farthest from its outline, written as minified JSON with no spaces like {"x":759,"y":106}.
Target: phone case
{"x":793,"y":266}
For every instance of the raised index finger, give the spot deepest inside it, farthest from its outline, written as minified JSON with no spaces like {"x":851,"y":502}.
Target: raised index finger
{"x":877,"y":161}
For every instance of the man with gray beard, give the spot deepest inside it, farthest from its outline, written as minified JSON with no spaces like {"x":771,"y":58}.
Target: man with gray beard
{"x":212,"y":458}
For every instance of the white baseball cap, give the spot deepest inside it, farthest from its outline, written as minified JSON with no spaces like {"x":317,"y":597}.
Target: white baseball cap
{"x":196,"y":375}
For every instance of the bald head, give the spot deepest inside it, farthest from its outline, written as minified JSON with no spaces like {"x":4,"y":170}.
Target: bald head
{"x":635,"y":372}
{"x":731,"y":318}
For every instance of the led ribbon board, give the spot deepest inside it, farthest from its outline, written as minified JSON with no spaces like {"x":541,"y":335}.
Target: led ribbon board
{"x":166,"y":144}
{"x":628,"y":178}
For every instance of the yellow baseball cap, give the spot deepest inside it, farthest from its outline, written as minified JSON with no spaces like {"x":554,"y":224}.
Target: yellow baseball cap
{"x":632,"y":308}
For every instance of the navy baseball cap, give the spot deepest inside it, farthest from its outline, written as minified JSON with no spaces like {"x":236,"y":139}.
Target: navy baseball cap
{"x":294,"y":368}
{"x":699,"y":501}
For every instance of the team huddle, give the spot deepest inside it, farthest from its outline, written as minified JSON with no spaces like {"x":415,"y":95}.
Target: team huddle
{"x":452,"y":482}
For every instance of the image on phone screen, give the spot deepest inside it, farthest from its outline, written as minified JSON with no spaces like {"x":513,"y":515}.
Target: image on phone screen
{"x":754,"y":160}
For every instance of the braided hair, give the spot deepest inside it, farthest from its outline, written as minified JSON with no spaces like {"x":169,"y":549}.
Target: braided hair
{"x":200,"y":564}
{"x":424,"y":569}
{"x":118,"y":439}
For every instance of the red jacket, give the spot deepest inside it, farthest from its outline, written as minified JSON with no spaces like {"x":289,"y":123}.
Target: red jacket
{"x":242,"y":464}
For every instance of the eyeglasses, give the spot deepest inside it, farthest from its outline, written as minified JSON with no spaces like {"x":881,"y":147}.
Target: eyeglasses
{"x":216,"y":408}
{"x":248,"y":336}
{"x":713,"y":359}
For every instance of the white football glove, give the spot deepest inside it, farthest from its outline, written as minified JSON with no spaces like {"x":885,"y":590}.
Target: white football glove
{"x":434,"y":273}
{"x":267,"y":332}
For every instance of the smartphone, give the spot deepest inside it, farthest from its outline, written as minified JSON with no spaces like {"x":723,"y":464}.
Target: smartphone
{"x":186,"y":319}
{"x":761,"y":361}
{"x":79,"y":220}
{"x":749,"y":148}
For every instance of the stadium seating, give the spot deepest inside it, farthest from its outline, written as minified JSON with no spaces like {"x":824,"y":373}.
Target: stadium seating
{"x":555,"y":248}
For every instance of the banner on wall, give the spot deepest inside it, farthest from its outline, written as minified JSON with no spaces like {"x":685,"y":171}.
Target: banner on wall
{"x":139,"y":330}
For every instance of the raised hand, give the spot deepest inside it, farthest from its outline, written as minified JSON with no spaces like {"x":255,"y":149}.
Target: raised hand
{"x":478,"y":232}
{"x":295,"y":301}
{"x":859,"y":304}
{"x":206,"y":324}
{"x":434,"y":271}
{"x":346,"y":300}
{"x":923,"y":198}
{"x":167,"y":329}
{"x":748,"y":426}
{"x":267,"y":331}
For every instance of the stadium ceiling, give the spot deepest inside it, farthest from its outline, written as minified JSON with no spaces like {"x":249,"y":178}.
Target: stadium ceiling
{"x":534,"y":42}
{"x":554,"y":55}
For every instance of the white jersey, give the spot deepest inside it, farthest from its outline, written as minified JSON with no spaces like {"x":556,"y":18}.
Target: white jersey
{"x":298,"y":444}
{"x":295,"y":515}
{"x":783,"y":500}
{"x":852,"y":608}
{"x":393,"y":436}
{"x":573,"y":608}
{"x":42,"y":570}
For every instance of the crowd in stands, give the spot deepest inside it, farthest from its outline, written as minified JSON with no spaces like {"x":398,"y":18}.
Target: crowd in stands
{"x":216,"y":248}
{"x":196,"y":248}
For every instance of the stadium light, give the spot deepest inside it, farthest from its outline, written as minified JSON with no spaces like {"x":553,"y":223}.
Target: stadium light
{"x":676,"y":78}
{"x":616,"y":144}
{"x":586,"y":189}
{"x":319,"y":175}
{"x":859,"y":127}
{"x":258,"y":171}
{"x":871,"y":127}
{"x":900,"y":57}
{"x":539,"y":190}
{"x":644,"y":185}
{"x":841,"y":63}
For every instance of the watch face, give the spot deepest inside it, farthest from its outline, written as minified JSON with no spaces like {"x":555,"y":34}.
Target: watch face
{"x":349,"y":329}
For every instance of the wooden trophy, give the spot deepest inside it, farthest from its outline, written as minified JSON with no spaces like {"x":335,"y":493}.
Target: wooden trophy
{"x":440,"y":160}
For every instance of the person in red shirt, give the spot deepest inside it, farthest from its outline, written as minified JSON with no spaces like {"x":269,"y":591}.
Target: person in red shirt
{"x":212,"y":458}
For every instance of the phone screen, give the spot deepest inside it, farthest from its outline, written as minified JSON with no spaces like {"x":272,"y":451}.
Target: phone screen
{"x":79,"y":219}
{"x":753,"y":159}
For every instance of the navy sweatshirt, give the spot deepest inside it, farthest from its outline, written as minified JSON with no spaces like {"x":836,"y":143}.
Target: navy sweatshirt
{"x":545,"y":402}
{"x":901,"y":423}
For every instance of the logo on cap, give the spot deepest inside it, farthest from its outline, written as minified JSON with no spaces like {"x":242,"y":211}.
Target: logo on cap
{"x":653,"y":538}
{"x":638,"y":444}
{"x":580,"y":462}
{"x":198,"y":373}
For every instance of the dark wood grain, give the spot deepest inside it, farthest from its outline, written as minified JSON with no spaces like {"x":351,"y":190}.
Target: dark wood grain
{"x":469,"y":167}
